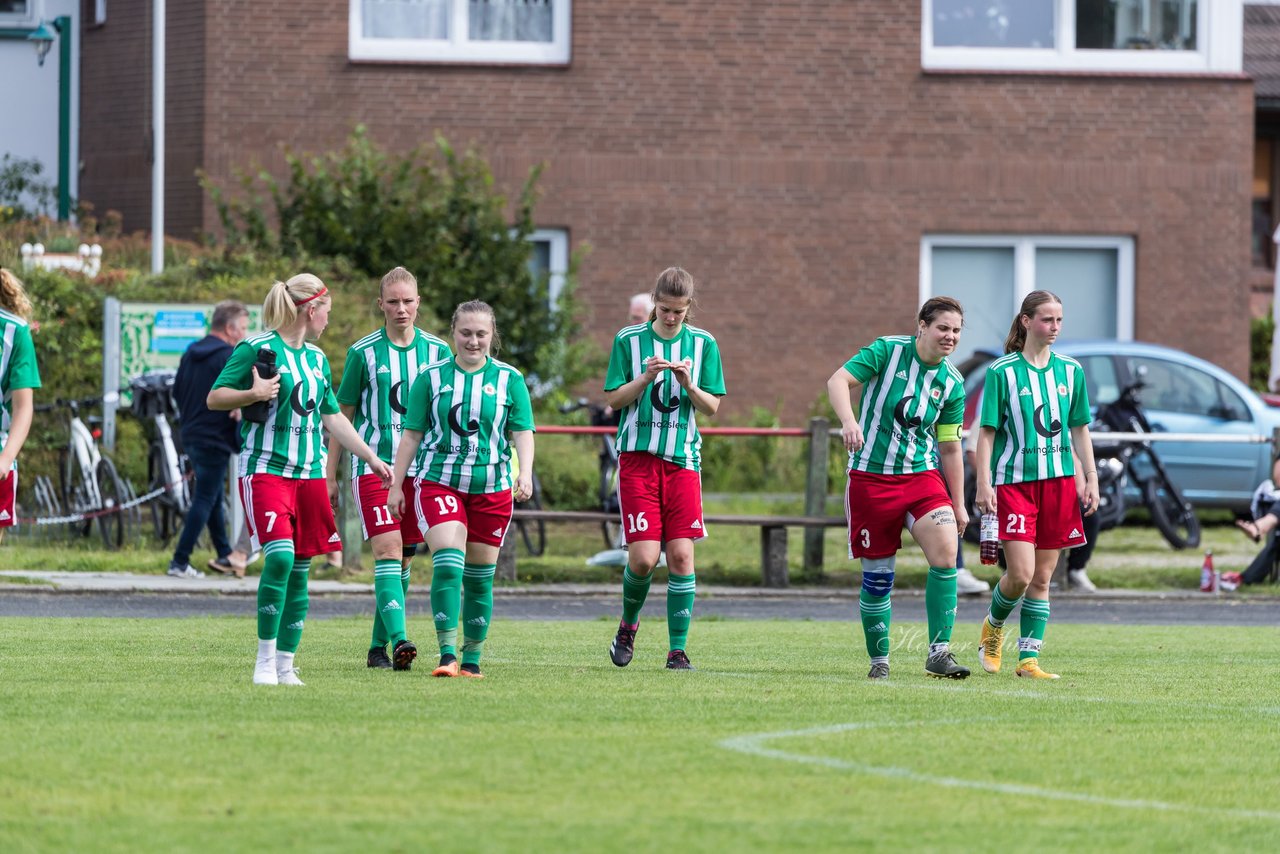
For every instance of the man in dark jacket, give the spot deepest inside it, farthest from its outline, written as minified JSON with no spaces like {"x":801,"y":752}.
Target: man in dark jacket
{"x":209,"y":438}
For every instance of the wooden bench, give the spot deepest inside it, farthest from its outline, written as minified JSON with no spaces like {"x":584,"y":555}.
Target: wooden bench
{"x":773,"y":533}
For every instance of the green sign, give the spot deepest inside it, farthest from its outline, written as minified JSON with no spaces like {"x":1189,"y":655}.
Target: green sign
{"x":153,"y":335}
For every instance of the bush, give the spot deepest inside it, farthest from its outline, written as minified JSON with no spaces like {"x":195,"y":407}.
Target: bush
{"x":23,"y":193}
{"x":1261,"y":330}
{"x":433,"y":211}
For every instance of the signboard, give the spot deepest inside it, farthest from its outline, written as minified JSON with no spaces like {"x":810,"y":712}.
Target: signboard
{"x":153,"y":336}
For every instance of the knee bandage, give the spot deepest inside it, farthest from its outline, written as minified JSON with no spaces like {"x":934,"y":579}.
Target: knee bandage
{"x":877,"y":575}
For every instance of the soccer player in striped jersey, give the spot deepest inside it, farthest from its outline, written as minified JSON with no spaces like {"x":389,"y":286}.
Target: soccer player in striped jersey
{"x":1035,"y":412}
{"x":282,"y":463}
{"x":911,"y":405}
{"x":459,"y":414}
{"x":379,"y":371}
{"x":661,"y":374}
{"x":19,"y":377}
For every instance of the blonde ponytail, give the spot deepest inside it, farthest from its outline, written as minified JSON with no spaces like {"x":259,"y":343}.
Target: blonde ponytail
{"x":280,"y":308}
{"x":13,"y":296}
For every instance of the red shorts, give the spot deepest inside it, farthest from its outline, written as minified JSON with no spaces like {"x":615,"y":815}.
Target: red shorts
{"x":375,"y":518}
{"x":878,"y":506}
{"x":9,"y":499}
{"x":486,"y":514}
{"x":660,"y":500}
{"x":1045,"y":513}
{"x":286,"y":508}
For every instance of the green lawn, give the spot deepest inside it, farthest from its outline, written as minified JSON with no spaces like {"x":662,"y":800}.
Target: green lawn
{"x":132,"y":735}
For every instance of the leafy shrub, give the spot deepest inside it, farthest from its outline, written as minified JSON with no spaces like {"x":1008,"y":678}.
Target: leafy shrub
{"x":23,"y":193}
{"x":1261,"y":330}
{"x":433,"y":211}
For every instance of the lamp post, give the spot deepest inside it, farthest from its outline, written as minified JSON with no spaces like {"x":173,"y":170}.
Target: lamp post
{"x":42,"y":38}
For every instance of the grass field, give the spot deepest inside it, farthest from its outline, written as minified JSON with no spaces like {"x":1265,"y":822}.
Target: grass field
{"x":134,"y":735}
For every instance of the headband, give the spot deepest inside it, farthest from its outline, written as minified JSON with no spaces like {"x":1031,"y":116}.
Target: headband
{"x":316,"y":295}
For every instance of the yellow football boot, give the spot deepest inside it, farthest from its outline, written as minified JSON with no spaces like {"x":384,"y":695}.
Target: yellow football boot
{"x":1030,"y":667}
{"x":991,"y":646}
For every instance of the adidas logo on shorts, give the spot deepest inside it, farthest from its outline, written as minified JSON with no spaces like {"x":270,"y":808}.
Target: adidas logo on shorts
{"x":393,"y":605}
{"x":1075,"y":533}
{"x":334,"y":538}
{"x":697,"y":526}
{"x":4,"y":516}
{"x":497,"y":532}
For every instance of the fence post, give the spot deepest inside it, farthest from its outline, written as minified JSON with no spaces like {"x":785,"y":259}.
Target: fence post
{"x":815,"y":495}
{"x":348,"y":519}
{"x":506,"y":570}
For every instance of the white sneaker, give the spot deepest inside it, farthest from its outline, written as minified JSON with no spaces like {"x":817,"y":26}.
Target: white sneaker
{"x":264,"y":672}
{"x":289,"y":677}
{"x":967,"y":583}
{"x":1078,"y":579}
{"x":177,"y":570}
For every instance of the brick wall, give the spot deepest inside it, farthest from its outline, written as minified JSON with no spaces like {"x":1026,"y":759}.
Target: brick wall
{"x":791,"y":159}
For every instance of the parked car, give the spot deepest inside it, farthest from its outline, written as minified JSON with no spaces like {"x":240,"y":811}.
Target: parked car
{"x":1183,"y":394}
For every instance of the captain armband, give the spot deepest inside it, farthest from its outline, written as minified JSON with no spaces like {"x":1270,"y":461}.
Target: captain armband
{"x":948,"y":432}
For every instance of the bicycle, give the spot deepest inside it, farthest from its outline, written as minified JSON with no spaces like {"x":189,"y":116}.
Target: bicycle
{"x":167,"y":466}
{"x":90,"y":487}
{"x":533,"y":532}
{"x":607,"y":487}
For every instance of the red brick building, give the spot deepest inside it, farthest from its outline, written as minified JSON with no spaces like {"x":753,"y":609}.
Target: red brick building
{"x":820,"y":167}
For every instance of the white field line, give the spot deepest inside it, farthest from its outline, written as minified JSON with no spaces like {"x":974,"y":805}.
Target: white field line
{"x":754,"y":745}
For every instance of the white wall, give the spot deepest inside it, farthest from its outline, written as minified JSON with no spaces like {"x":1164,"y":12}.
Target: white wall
{"x":29,"y":95}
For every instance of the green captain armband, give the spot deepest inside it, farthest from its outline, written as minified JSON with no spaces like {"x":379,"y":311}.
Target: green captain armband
{"x":948,"y":432}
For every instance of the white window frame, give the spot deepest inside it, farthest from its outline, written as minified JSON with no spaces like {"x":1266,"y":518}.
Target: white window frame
{"x":558,"y":258}
{"x":1219,"y":28}
{"x":458,"y":49}
{"x":1024,"y":248}
{"x":28,"y":17}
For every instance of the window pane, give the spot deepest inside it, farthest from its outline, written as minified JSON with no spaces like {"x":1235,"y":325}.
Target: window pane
{"x":1100,"y":379}
{"x":510,"y":20}
{"x":406,"y":19}
{"x":993,"y":23}
{"x":981,"y":278}
{"x":1136,"y":24}
{"x":14,"y":7}
{"x":1086,"y":280}
{"x":1171,"y":387}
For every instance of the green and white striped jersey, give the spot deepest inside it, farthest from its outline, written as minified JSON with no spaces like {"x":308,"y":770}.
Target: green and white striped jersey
{"x":902,"y":403}
{"x":376,"y":380}
{"x":1032,"y":411}
{"x":662,"y":420}
{"x":464,"y":418}
{"x":18,"y":367}
{"x":291,"y":442}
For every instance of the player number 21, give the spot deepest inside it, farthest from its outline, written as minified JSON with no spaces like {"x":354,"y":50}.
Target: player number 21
{"x":1016,"y":519}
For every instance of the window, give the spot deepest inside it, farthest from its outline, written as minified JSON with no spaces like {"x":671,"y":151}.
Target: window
{"x":1140,"y":36}
{"x":1172,"y":387}
{"x":534,"y":32}
{"x":990,"y":275}
{"x":1263,"y":182}
{"x":15,"y":11}
{"x":550,"y":257}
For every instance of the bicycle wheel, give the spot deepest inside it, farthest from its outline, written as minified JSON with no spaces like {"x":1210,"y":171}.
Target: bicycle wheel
{"x":76,"y":493}
{"x":163,"y":513}
{"x":611,"y":529}
{"x":114,"y":525}
{"x":1174,"y":517}
{"x":533,"y":531}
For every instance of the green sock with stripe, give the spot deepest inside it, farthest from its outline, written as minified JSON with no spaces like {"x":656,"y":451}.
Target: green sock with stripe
{"x":388,"y":592}
{"x":877,"y":617}
{"x":446,"y":597}
{"x":1035,"y":619}
{"x":296,"y":603}
{"x":477,"y":609}
{"x":940,"y":605}
{"x":277,"y":562}
{"x":1001,"y":606}
{"x":635,"y":589}
{"x":680,"y":594}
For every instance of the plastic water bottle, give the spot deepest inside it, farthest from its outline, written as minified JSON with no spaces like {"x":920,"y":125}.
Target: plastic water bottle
{"x":990,"y":539}
{"x":266,"y":365}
